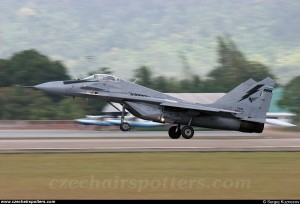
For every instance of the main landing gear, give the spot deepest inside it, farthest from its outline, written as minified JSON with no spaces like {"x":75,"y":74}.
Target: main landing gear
{"x":175,"y":132}
{"x":187,"y":132}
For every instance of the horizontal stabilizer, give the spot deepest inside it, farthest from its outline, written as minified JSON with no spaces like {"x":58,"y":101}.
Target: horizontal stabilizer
{"x":278,"y":122}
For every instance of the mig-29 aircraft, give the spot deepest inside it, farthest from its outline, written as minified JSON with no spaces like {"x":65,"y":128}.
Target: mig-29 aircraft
{"x":242,"y":109}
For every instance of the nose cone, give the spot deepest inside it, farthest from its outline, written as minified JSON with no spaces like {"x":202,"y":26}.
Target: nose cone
{"x":54,"y":87}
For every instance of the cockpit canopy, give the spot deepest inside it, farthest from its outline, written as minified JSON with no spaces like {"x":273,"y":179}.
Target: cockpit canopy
{"x":102,"y":77}
{"x":94,"y":78}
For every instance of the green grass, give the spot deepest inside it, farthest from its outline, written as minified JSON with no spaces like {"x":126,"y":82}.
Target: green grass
{"x":220,"y":175}
{"x":293,"y":129}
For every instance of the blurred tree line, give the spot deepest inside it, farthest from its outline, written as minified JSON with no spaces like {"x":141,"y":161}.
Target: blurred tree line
{"x":30,"y":68}
{"x":291,"y":97}
{"x":233,"y":69}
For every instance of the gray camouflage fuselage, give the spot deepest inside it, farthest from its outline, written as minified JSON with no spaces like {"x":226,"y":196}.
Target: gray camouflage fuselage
{"x":242,"y":109}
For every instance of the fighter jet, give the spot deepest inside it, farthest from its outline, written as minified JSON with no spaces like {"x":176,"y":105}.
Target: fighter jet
{"x":242,"y":109}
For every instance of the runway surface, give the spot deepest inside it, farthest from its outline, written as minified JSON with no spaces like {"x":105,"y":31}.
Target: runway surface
{"x":52,"y":141}
{"x":39,"y":134}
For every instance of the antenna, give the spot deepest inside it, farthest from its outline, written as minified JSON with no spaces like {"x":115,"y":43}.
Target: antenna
{"x":135,"y":80}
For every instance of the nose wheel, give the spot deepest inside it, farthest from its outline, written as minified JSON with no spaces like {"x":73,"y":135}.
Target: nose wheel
{"x":175,"y":132}
{"x":125,"y":126}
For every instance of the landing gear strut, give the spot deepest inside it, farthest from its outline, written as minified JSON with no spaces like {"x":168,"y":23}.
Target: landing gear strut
{"x":175,"y":132}
{"x":124,"y":125}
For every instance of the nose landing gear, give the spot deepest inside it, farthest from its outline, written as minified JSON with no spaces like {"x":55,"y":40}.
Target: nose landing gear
{"x":124,"y":125}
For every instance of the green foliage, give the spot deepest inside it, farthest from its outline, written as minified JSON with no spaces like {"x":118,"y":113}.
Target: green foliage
{"x":291,"y":97}
{"x":144,"y":76}
{"x":18,"y":103}
{"x":69,"y":109}
{"x":93,"y":106}
{"x":102,"y":70}
{"x":193,"y":85}
{"x":124,"y":34}
{"x":160,"y":83}
{"x":5,"y":80}
{"x":29,"y":67}
{"x":234,"y":68}
{"x":167,"y":85}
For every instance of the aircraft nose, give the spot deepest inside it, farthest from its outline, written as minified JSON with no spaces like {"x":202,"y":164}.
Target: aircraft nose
{"x":54,"y":87}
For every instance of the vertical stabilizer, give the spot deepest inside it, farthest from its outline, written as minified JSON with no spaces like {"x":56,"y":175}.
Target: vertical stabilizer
{"x":251,"y":99}
{"x":235,"y":94}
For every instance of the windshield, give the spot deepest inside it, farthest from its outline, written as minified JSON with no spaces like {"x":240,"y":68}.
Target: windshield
{"x":106,"y":77}
{"x":91,"y":78}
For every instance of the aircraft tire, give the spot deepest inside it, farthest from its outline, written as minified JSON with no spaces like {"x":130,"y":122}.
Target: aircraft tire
{"x":173,"y":133}
{"x":187,"y":132}
{"x":125,"y":127}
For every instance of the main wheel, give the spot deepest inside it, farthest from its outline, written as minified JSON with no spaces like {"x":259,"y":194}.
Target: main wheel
{"x":187,"y":132}
{"x":174,"y":132}
{"x":125,"y":126}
